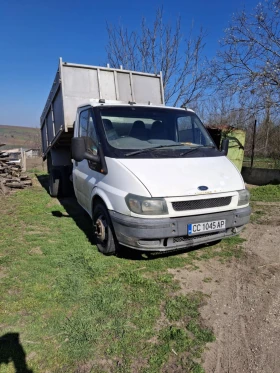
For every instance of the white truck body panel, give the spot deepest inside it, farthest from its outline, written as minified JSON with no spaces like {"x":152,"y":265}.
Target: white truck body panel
{"x":175,"y":177}
{"x":121,"y":180}
{"x":112,"y":188}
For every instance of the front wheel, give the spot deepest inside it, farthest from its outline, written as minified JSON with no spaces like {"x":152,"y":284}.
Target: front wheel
{"x":103,"y":230}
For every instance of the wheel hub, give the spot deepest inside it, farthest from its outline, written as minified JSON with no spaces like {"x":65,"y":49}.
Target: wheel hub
{"x":101,"y":229}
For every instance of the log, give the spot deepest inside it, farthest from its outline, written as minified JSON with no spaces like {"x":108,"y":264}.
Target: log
{"x":3,"y":187}
{"x":14,"y":185}
{"x":24,"y":177}
{"x":11,"y":176}
{"x":15,"y":168}
{"x":26,"y":182}
{"x":17,"y":179}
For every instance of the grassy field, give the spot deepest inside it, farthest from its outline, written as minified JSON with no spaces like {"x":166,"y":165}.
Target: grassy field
{"x":76,"y":310}
{"x":266,"y":193}
{"x":16,"y":136}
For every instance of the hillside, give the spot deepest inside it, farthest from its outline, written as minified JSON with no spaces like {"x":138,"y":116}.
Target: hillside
{"x":16,"y":136}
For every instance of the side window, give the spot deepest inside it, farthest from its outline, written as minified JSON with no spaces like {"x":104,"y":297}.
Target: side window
{"x":83,"y":123}
{"x":87,"y":130}
{"x":92,"y":135}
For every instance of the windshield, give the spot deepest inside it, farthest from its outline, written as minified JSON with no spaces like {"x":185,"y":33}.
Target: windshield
{"x":153,"y":129}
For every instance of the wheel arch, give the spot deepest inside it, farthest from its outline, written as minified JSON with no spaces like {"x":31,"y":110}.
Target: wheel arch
{"x":99,"y":195}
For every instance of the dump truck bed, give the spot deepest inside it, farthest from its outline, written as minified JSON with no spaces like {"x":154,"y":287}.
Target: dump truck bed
{"x":75,"y":85}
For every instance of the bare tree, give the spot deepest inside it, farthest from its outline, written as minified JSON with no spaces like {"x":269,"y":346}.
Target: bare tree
{"x":246,"y":71}
{"x":248,"y":63}
{"x":162,"y":47}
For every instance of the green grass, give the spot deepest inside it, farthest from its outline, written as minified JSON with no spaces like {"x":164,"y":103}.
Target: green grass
{"x":267,"y":193}
{"x":257,"y":216}
{"x":76,"y":309}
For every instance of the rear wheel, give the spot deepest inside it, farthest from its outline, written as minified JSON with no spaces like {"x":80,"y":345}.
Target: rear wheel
{"x":67,"y":189}
{"x":54,"y":182}
{"x":59,"y":182}
{"x":103,"y":230}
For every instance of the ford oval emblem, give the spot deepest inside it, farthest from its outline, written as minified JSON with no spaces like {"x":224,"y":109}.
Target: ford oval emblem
{"x":202,"y":187}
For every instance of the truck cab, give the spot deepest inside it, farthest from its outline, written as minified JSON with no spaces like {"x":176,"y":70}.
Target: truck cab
{"x":152,"y":179}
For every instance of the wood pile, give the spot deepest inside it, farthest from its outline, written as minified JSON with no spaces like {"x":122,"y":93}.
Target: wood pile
{"x":11,"y":176}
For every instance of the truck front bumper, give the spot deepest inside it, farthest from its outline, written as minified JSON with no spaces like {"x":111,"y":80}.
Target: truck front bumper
{"x":171,"y":233}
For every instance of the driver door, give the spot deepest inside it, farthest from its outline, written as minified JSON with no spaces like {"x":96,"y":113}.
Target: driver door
{"x":86,"y":174}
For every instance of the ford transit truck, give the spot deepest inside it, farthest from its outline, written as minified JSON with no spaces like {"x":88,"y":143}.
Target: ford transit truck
{"x":150,"y":176}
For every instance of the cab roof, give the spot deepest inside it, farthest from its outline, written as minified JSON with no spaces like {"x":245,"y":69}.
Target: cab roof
{"x":96,"y":103}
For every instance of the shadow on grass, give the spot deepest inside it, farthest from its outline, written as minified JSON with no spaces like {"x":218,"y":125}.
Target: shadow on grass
{"x":73,"y":210}
{"x":11,"y":350}
{"x":83,"y":221}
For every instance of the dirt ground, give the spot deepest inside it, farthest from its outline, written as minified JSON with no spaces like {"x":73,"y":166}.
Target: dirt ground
{"x":36,"y":163}
{"x":243,"y":307}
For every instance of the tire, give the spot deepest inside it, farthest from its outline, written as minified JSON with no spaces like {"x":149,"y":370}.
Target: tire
{"x":67,"y":189}
{"x":54,"y":183}
{"x":106,"y":241}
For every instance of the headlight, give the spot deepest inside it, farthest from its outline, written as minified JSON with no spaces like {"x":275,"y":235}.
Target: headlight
{"x":146,"y":206}
{"x":243,"y":197}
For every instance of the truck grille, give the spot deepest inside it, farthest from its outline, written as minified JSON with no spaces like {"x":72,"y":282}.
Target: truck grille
{"x":201,"y":204}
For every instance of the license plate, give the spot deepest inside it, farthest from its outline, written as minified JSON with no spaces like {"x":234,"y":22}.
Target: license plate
{"x":208,"y":226}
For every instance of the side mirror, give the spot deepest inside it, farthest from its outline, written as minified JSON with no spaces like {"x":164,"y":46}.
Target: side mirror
{"x":79,"y":150}
{"x":224,"y":147}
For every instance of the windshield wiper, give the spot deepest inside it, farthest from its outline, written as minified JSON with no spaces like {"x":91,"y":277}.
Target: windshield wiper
{"x":151,"y":149}
{"x":190,"y":151}
{"x":196,"y":148}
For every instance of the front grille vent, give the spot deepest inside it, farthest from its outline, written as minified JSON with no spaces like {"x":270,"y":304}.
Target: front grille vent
{"x":191,"y":238}
{"x":201,"y":204}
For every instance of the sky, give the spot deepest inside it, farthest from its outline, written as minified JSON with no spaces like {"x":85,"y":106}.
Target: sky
{"x":35,"y":33}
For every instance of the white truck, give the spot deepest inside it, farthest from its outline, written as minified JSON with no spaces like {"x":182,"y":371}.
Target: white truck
{"x":150,"y":176}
